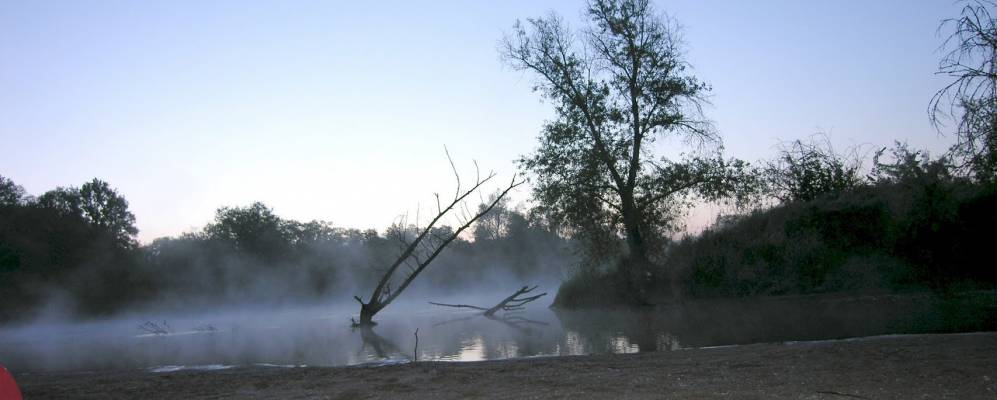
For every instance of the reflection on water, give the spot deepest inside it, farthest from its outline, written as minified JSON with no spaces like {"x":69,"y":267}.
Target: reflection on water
{"x":316,"y":337}
{"x":470,"y":350}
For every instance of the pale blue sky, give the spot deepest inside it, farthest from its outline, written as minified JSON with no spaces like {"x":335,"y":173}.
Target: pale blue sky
{"x":340,"y":110}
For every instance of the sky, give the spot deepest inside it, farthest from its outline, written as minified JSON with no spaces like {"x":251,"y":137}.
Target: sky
{"x":340,"y":111}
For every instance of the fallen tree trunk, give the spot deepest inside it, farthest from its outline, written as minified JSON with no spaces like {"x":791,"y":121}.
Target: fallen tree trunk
{"x":417,"y":253}
{"x":511,"y":303}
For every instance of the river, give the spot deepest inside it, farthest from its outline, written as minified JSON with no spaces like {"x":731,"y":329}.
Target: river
{"x":322,"y":336}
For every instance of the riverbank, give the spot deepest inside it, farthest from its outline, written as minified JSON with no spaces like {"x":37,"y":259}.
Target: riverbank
{"x":956,"y":366}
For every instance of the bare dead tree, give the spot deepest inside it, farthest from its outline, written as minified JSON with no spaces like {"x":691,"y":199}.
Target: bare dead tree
{"x":419,"y":251}
{"x":511,"y":303}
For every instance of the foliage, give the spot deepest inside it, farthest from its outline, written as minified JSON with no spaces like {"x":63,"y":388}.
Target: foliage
{"x":256,"y":230}
{"x":908,"y":166}
{"x":65,"y":243}
{"x":804,"y":171}
{"x":971,"y":98}
{"x":914,"y":225}
{"x":595,"y":289}
{"x":618,"y":86}
{"x":495,"y":223}
{"x":103,"y":207}
{"x":11,"y":194}
{"x":98,"y":204}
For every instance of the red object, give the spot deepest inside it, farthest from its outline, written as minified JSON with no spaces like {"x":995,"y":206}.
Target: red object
{"x":8,"y":388}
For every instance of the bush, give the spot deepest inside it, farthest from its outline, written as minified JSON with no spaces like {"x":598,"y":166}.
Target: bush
{"x":592,"y":287}
{"x":889,"y":236}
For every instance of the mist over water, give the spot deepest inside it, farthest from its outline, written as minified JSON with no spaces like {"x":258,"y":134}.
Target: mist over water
{"x":320,"y":335}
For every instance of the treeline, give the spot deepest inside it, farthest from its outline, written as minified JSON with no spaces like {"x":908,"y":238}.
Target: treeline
{"x":823,"y":223}
{"x":74,"y":249}
{"x":911,"y":223}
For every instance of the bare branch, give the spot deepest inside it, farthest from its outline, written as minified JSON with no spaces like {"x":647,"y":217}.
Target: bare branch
{"x":423,"y":251}
{"x":511,"y":303}
{"x":458,"y":306}
{"x":455,"y":173}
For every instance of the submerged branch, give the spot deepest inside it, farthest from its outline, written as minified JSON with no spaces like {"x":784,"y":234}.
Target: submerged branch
{"x":458,"y":306}
{"x":511,"y":303}
{"x":514,"y":302}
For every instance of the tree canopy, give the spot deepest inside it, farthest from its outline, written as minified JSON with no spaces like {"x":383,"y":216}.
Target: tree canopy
{"x":98,"y":204}
{"x":618,"y":86}
{"x":10,"y":192}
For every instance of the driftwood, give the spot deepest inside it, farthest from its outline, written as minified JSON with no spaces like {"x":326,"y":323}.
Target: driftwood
{"x":156,"y":328}
{"x":511,"y":303}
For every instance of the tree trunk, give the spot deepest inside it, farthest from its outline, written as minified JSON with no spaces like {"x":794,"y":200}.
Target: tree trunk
{"x":637,"y":266}
{"x":635,"y":238}
{"x":418,"y":254}
{"x":367,"y":312}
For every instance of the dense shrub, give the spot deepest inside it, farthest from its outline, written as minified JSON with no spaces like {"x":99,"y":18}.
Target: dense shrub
{"x":592,"y":287}
{"x":889,"y":236}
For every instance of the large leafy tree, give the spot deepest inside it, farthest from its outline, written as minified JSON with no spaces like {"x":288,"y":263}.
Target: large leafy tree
{"x":253,"y":230}
{"x":99,"y":205}
{"x":102,"y":206}
{"x":618,"y":86}
{"x":80,"y":240}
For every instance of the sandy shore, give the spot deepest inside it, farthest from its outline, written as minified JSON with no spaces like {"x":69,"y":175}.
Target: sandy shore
{"x":956,"y":366}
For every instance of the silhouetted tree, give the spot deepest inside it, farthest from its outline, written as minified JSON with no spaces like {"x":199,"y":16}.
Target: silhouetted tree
{"x":103,"y":207}
{"x":99,"y":205}
{"x":617,"y":87}
{"x":901,"y":165}
{"x":11,"y":194}
{"x":64,"y":200}
{"x":493,"y":225}
{"x":971,"y":98}
{"x":81,"y":245}
{"x":253,"y":230}
{"x":313,"y":232}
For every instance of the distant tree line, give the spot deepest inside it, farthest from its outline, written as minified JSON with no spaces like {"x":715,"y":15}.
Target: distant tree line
{"x":75,"y":249}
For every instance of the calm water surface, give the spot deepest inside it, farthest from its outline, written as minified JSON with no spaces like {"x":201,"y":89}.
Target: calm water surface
{"x":321,"y":336}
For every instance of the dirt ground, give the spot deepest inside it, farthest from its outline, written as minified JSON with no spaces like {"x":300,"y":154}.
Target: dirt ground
{"x":954,"y":366}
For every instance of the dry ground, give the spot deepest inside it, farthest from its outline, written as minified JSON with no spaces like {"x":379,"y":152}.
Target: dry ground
{"x":956,"y":366}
